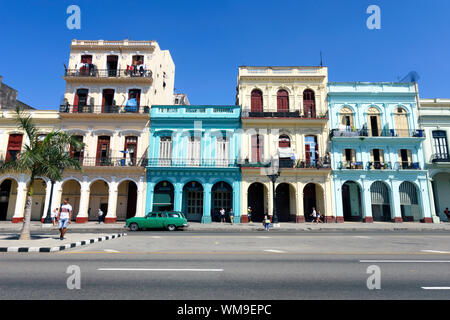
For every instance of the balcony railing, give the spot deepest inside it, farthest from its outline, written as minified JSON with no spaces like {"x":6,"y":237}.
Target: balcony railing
{"x":107,"y":73}
{"x":377,"y":133}
{"x":165,"y":162}
{"x":102,"y":109}
{"x":111,"y":162}
{"x":282,"y":114}
{"x":440,"y":157}
{"x":378,"y":165}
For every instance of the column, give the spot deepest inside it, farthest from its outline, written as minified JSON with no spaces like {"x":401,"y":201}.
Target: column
{"x":237,"y":201}
{"x":206,"y":218}
{"x":436,"y":218}
{"x":270,"y":197}
{"x":366,"y":201}
{"x":244,"y":199}
{"x":111,"y":216}
{"x":57,"y":195}
{"x":338,"y":201}
{"x":83,"y":213}
{"x":300,"y":214}
{"x":178,"y":196}
{"x":329,"y":196}
{"x":47,"y":199}
{"x":148,"y":198}
{"x":424,"y":201}
{"x":140,"y":198}
{"x":395,"y":202}
{"x":20,"y":201}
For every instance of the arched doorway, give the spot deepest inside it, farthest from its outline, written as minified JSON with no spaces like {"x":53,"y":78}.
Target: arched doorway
{"x":222,"y":197}
{"x":409,"y":202}
{"x":163,"y":197}
{"x":193,"y":201}
{"x":381,"y":207}
{"x":351,"y":201}
{"x":256,"y":199}
{"x":284,"y":203}
{"x":98,"y":199}
{"x":71,"y":189}
{"x":8,"y":195}
{"x":313,"y":197}
{"x":282,"y":101}
{"x":126,"y":200}
{"x":38,"y":201}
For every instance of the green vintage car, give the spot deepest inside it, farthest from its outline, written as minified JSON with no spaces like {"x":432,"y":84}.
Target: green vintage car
{"x":170,"y":220}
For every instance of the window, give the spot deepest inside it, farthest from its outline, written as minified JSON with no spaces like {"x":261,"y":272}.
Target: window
{"x":222,"y":147}
{"x":346,"y":119}
{"x":440,"y":145}
{"x":108,"y":100}
{"x":311,"y":150}
{"x":103,"y":151}
{"x":165,"y":151}
{"x":282,"y":101}
{"x":284,"y":141}
{"x":309,"y":104}
{"x":256,"y":103}
{"x":401,"y":123}
{"x":80,"y":100}
{"x":130,"y":150}
{"x":174,"y":215}
{"x":111,"y":65}
{"x":374,"y":122}
{"x":194,"y":151}
{"x":14,"y":146}
{"x":77,"y":153}
{"x":377,"y":158}
{"x":257,"y":148}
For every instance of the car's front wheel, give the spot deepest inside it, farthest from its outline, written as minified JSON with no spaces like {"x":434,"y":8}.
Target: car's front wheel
{"x":134,"y":227}
{"x":171,"y":227}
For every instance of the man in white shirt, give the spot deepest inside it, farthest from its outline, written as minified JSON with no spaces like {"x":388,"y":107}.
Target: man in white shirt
{"x":100,"y":216}
{"x":64,"y":217}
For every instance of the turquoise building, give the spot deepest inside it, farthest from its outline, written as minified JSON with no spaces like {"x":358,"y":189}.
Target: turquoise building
{"x":377,"y":154}
{"x":192,"y":165}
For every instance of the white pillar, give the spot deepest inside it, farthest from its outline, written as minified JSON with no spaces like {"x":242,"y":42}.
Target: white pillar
{"x":20,"y":201}
{"x":47,"y":198}
{"x":57,"y":195}
{"x":140,"y":198}
{"x":83,"y":215}
{"x":111,"y":216}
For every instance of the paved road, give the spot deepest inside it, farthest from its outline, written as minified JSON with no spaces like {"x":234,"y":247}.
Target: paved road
{"x":162,"y":265}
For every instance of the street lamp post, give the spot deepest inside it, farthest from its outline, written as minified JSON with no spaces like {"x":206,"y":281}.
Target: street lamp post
{"x":273,"y":177}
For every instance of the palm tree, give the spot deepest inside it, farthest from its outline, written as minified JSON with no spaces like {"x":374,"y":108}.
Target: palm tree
{"x":46,"y":157}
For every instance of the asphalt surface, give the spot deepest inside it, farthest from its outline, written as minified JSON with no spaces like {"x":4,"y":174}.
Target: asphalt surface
{"x":180,"y":265}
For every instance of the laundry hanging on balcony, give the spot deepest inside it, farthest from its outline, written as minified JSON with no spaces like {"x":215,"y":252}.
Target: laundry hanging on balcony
{"x":131,"y":105}
{"x":284,"y":153}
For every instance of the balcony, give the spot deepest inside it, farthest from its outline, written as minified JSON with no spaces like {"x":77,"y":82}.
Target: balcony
{"x":110,"y":74}
{"x":284,"y":114}
{"x":350,"y":165}
{"x":111,"y":162}
{"x":96,"y":109}
{"x":440,"y":157}
{"x":402,"y":133}
{"x":165,"y":162}
{"x":195,"y":112}
{"x":378,"y":165}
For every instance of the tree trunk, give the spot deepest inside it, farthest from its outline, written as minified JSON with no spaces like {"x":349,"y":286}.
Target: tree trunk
{"x":25,"y":232}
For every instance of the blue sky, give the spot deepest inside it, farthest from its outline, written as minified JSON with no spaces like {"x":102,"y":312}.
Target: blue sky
{"x":208,"y":40}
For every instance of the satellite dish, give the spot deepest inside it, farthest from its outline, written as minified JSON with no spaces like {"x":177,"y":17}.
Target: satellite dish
{"x":413,"y":76}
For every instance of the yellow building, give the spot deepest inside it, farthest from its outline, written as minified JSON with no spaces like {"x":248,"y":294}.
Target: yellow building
{"x":285,"y":125}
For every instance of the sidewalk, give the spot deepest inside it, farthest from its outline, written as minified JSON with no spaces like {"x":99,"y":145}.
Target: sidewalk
{"x":93,"y":227}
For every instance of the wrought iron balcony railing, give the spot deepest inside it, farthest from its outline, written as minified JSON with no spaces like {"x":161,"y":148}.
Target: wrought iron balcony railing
{"x":351,"y":165}
{"x":282,"y":114}
{"x":171,"y":162}
{"x":102,"y":109}
{"x":107,"y":73}
{"x":440,"y":157}
{"x":352,"y":132}
{"x":111,"y":162}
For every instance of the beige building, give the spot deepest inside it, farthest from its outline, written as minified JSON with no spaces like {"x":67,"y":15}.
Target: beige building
{"x":110,"y":86}
{"x":285,"y":122}
{"x":434,"y":118}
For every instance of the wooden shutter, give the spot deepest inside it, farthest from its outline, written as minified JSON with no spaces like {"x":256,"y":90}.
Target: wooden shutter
{"x":256,"y":101}
{"x":282,"y":101}
{"x":14,"y":145}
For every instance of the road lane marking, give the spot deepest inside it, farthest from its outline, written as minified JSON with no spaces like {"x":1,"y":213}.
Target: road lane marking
{"x":170,"y":270}
{"x":362,"y":237}
{"x":155,"y":237}
{"x":324,"y":253}
{"x":404,"y":261}
{"x":435,"y":251}
{"x":436,"y":288}
{"x":263,"y":237}
{"x":275,"y":251}
{"x":111,"y":250}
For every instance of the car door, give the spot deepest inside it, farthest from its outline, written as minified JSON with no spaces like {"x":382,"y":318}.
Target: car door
{"x":162,"y":220}
{"x":151,"y":221}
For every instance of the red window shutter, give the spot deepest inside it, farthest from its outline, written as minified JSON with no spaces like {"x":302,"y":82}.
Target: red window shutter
{"x":75,"y":102}
{"x":256,"y":101}
{"x":309,"y":103}
{"x":308,"y":153}
{"x":14,"y":144}
{"x":282,"y":101}
{"x":103,"y":141}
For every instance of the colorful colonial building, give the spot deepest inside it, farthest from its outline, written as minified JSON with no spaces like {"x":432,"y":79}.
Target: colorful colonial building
{"x":377,"y":154}
{"x":285,"y":125}
{"x":434,"y":118}
{"x":192,"y":165}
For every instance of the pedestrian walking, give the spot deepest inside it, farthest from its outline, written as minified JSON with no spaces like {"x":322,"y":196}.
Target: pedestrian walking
{"x":231,"y":215}
{"x":318,"y":216}
{"x":53,"y":215}
{"x":100,"y":216}
{"x":64,"y":217}
{"x":222,"y":215}
{"x":266,"y":222}
{"x":249,"y":214}
{"x":314,"y":214}
{"x":447,"y":213}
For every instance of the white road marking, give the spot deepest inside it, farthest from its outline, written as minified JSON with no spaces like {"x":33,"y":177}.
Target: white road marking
{"x":435,"y":251}
{"x":275,"y":251}
{"x":263,"y":237}
{"x":138,"y":269}
{"x":362,"y":237}
{"x":436,"y":288}
{"x":111,"y":250}
{"x":404,"y":261}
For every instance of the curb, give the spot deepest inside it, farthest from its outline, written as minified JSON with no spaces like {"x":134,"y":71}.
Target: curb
{"x":60,"y":248}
